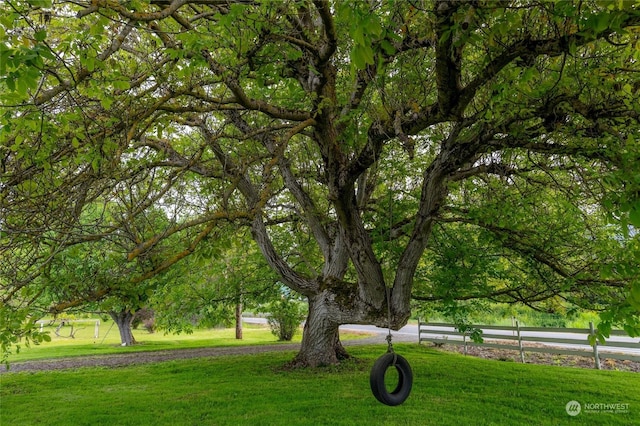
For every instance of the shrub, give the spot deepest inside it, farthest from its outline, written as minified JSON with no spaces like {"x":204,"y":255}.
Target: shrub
{"x":284,"y":318}
{"x":146,"y":317}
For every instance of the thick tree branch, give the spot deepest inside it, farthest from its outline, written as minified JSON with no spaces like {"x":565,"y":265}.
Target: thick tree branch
{"x":84,"y":73}
{"x":256,"y":201}
{"x":327,"y":51}
{"x":250,"y":103}
{"x":531,"y":48}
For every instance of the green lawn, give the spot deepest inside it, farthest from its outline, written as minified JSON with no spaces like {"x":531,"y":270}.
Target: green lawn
{"x":449,"y":389}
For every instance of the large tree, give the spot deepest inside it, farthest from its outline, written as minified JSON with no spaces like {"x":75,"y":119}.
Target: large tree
{"x":340,"y":132}
{"x":92,"y":276}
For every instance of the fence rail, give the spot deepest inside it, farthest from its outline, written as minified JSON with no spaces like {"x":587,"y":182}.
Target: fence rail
{"x":562,"y":341}
{"x":71,"y":322}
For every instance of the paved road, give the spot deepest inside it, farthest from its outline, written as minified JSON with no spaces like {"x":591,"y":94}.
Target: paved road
{"x":409,"y":333}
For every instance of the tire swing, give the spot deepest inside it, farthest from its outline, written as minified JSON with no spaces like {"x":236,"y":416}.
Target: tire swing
{"x":379,"y":371}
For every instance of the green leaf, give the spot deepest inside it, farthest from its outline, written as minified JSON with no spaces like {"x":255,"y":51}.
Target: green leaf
{"x":601,"y":22}
{"x":604,"y":329}
{"x":106,"y":103}
{"x":358,"y":35}
{"x":388,"y":48}
{"x":121,"y":85}
{"x":90,"y":63}
{"x":445,"y":36}
{"x":362,"y":56}
{"x":634,"y":296}
{"x":95,"y":164}
{"x":632,"y":331}
{"x":45,"y":4}
{"x":22,"y":87}
{"x":40,"y":35}
{"x":634,"y":215}
{"x":373,"y":26}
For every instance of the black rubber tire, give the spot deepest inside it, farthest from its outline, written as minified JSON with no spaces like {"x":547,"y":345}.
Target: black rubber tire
{"x":405,"y":379}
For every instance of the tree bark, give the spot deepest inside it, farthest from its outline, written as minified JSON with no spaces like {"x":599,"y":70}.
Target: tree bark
{"x":239,"y":321}
{"x":321,"y":338}
{"x":123,"y":320}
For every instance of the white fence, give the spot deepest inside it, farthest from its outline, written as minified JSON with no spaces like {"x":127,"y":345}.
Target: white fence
{"x":63,"y":322}
{"x":563,"y":341}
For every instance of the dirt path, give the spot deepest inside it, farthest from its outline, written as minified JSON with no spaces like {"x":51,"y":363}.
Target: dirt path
{"x":120,"y":360}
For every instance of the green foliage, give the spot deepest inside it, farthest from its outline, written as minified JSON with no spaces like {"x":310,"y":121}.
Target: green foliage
{"x":371,"y":38}
{"x":205,"y":288}
{"x":469,"y":313}
{"x":28,"y":332}
{"x":284,"y":317}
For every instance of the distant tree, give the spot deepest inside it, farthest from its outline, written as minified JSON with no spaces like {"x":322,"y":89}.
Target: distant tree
{"x":213,"y":286}
{"x":94,"y":276}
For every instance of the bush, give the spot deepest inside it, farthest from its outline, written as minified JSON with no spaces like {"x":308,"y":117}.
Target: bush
{"x":146,"y":317}
{"x":284,"y":318}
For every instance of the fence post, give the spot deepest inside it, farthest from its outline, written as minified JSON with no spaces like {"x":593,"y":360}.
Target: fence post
{"x":520,"y":341}
{"x":96,"y":330}
{"x":464,"y":339}
{"x":419,"y":324}
{"x":596,"y":357}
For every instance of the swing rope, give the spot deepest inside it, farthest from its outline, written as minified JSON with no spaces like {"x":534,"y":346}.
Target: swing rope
{"x":387,"y":290}
{"x":389,"y":336}
{"x":107,"y":333}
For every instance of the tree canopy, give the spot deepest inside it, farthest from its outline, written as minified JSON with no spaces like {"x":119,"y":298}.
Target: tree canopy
{"x":367,"y":145}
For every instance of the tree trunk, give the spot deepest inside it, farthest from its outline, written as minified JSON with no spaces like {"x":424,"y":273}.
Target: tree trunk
{"x":321,"y":339}
{"x":239,"y":321}
{"x":123,"y":320}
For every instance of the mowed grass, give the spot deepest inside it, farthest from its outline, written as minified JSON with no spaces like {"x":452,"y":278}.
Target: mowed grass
{"x":449,"y":389}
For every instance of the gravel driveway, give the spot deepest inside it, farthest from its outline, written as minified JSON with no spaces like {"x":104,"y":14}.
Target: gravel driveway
{"x":119,"y":360}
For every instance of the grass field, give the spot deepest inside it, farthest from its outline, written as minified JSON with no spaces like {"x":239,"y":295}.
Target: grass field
{"x":108,"y":342}
{"x":449,"y":389}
